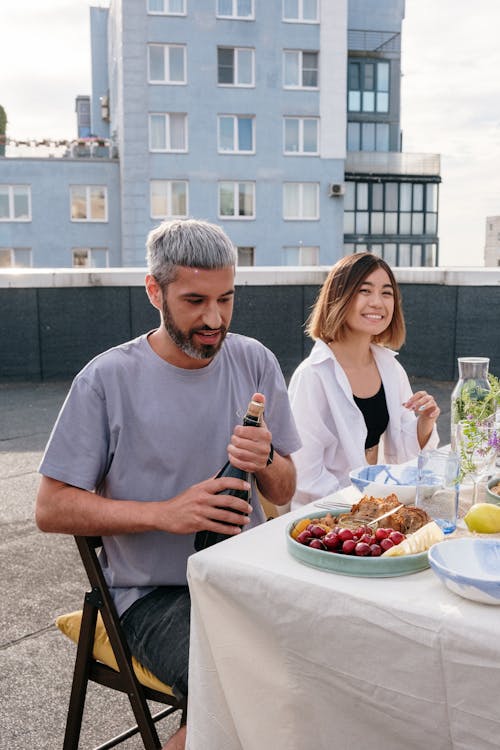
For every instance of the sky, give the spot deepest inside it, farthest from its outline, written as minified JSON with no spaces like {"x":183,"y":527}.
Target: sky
{"x":450,"y":96}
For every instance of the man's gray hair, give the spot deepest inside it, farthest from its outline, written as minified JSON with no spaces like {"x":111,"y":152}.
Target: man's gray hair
{"x":191,"y":243}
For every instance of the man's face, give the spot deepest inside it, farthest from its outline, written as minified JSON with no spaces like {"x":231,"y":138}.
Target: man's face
{"x":197,"y":308}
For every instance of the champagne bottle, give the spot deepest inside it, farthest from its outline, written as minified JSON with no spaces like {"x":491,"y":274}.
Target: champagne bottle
{"x":253,"y":417}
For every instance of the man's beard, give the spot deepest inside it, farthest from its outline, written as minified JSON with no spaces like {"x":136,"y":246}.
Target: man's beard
{"x":184,"y":341}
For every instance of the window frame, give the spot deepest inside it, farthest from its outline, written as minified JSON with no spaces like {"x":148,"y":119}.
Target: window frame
{"x":235,"y":118}
{"x":300,"y":66}
{"x":168,"y":149}
{"x":235,"y":184}
{"x":167,"y":12}
{"x":250,"y":248}
{"x":363,"y":90}
{"x":378,"y":128}
{"x":88,"y":203}
{"x":166,"y":64}
{"x":301,"y":119}
{"x":234,"y":15}
{"x":300,"y":17}
{"x":235,"y":50}
{"x":12,"y":254}
{"x":300,"y":185}
{"x":168,"y":214}
{"x":11,"y":188}
{"x":301,"y":248}
{"x":90,"y":251}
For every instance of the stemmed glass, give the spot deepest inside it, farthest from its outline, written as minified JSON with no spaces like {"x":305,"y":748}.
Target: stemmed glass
{"x":477,"y":445}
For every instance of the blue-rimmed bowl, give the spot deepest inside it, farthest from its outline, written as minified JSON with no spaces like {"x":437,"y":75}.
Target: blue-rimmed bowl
{"x":469,"y":567}
{"x":493,"y":497}
{"x":380,"y":480}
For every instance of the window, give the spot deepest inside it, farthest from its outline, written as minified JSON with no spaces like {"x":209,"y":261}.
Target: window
{"x":235,"y":66}
{"x":15,"y":257}
{"x":301,"y":11}
{"x":89,"y":203}
{"x":167,"y":7}
{"x":301,"y":255}
{"x":236,"y":200}
{"x":246,"y":256}
{"x":404,"y":208}
{"x":368,"y":136}
{"x":368,"y":86}
{"x":90,"y":257}
{"x":15,"y":203}
{"x":300,"y":69}
{"x":236,"y":134}
{"x":301,"y":200}
{"x":242,"y":9}
{"x":167,"y":63}
{"x":398,"y":254}
{"x":168,"y":132}
{"x":169,"y":198}
{"x":301,"y":135}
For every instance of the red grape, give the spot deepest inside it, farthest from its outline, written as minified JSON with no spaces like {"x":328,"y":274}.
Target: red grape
{"x":348,"y":546}
{"x":362,"y":549}
{"x":382,"y":534}
{"x":316,"y":544}
{"x":376,"y":550}
{"x":303,"y":537}
{"x":396,"y":537}
{"x":331,"y":540}
{"x":386,"y":543}
{"x":345,"y":534}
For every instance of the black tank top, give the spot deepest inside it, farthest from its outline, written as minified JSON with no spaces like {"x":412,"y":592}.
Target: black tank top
{"x":374,"y":410}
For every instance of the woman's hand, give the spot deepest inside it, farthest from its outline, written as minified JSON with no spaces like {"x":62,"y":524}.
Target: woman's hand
{"x":424,"y":406}
{"x":427,"y":411}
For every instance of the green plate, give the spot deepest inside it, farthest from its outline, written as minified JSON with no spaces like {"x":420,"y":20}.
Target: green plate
{"x":350,"y":565}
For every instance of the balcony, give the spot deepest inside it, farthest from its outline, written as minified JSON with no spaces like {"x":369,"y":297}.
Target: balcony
{"x":393,"y":163}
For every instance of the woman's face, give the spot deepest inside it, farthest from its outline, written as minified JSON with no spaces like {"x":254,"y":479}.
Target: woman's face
{"x":372,"y":306}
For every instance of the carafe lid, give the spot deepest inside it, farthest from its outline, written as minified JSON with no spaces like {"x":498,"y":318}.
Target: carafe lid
{"x":473,"y":367}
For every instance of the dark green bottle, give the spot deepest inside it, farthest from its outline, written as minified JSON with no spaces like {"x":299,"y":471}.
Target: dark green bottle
{"x":205,"y":538}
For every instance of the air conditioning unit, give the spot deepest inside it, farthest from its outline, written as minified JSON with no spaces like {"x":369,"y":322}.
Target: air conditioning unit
{"x":104,"y":102}
{"x":335,"y":189}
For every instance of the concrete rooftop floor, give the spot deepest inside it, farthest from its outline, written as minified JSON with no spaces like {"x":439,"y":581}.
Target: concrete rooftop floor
{"x":42,"y":577}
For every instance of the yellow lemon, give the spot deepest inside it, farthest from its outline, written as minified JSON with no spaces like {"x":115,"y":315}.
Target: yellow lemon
{"x":483,"y":518}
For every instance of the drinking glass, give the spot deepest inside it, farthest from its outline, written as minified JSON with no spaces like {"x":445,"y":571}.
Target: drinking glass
{"x":477,"y":445}
{"x":437,"y":487}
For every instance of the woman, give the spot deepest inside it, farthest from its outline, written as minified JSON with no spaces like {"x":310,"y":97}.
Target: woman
{"x":351,"y":392}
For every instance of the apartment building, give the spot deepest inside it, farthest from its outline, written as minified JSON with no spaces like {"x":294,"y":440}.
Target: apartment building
{"x":278,"y":120}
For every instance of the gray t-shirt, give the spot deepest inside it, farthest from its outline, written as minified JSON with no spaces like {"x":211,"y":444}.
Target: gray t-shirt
{"x":134,"y":427}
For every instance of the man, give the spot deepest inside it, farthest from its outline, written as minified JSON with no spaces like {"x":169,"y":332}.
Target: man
{"x":143,"y":432}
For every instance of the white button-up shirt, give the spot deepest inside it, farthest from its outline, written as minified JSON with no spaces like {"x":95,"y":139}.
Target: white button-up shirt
{"x":332,"y":427}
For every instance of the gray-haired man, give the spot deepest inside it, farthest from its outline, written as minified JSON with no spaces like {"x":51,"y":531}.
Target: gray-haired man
{"x":143,"y":431}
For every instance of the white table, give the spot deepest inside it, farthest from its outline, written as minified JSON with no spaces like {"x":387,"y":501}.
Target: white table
{"x":288,"y":657}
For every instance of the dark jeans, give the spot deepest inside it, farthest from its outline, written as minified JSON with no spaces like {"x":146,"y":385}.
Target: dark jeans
{"x":157,"y":630}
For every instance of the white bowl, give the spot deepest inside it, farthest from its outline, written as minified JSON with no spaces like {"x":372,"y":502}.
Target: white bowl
{"x":469,"y":567}
{"x":376,"y":481}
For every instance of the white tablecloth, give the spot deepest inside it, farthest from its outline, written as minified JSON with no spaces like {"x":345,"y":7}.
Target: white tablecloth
{"x":288,"y":657}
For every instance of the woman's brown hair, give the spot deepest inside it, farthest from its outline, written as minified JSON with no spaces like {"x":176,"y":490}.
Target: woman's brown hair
{"x":328,"y":317}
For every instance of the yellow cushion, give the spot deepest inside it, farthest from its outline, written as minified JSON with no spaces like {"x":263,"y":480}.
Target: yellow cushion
{"x":70,"y":624}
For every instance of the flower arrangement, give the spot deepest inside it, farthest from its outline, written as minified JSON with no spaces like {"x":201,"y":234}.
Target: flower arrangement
{"x":474,"y":412}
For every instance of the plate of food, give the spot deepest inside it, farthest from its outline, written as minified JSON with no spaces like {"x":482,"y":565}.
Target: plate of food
{"x":361,"y":542}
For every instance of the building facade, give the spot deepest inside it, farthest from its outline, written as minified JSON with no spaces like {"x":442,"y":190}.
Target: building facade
{"x":492,"y":244}
{"x":279,"y":121}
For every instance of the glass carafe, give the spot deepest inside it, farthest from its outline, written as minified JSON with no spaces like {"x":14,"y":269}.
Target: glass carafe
{"x":472,"y":386}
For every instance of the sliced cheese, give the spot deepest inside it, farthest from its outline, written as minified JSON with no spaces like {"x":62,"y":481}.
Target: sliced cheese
{"x":420,"y":541}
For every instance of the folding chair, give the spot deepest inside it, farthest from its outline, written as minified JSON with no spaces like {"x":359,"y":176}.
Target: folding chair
{"x":110,"y":663}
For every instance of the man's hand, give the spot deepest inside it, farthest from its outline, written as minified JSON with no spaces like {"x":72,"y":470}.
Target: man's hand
{"x":200,"y":508}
